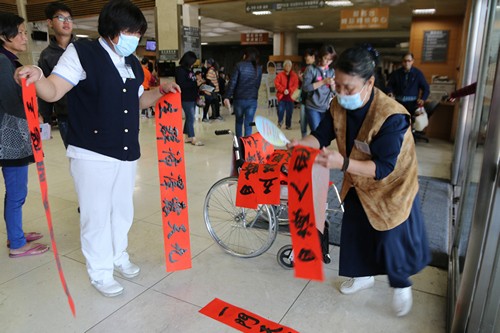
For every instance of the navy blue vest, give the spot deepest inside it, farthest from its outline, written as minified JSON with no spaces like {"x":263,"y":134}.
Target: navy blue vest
{"x":103,"y":112}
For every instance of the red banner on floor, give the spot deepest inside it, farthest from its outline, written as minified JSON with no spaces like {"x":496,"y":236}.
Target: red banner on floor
{"x":240,"y":319}
{"x":172,"y":172}
{"x":31,"y":109}
{"x":307,"y":194}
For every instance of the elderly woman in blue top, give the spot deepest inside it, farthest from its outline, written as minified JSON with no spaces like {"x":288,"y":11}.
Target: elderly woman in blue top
{"x":382,"y":228}
{"x":103,"y":82}
{"x":408,"y":85}
{"x":244,"y":88}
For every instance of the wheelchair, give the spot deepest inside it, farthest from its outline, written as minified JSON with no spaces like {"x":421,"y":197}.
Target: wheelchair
{"x":248,"y":233}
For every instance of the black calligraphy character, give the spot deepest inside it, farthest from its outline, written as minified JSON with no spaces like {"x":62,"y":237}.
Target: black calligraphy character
{"x":252,"y":168}
{"x":170,"y":182}
{"x":299,"y":192}
{"x":30,"y":105}
{"x":175,"y":229}
{"x":269,"y":168}
{"x":40,"y":167}
{"x":268,"y":183}
{"x":176,"y":250}
{"x":169,"y":133}
{"x":223,"y":310}
{"x":247,"y":190}
{"x":264,"y":329}
{"x":301,"y":222}
{"x":174,"y":205}
{"x":306,"y":255}
{"x":170,"y":159}
{"x":166,"y":109}
{"x":302,"y":159}
{"x":36,"y":139}
{"x":243,"y":318}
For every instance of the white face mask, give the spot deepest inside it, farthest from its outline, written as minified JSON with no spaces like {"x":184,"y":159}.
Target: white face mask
{"x":126,"y":45}
{"x":351,"y":102}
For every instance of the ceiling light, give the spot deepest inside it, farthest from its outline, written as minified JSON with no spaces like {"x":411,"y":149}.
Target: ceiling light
{"x":82,"y":36}
{"x":262,"y":12}
{"x":425,"y":11}
{"x":338,"y":3}
{"x":204,"y":43}
{"x":305,"y":26}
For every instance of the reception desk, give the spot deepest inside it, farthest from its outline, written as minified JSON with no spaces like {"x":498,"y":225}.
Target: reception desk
{"x":441,"y":122}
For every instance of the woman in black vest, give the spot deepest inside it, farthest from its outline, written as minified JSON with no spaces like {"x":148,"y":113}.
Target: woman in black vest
{"x":103,"y":82}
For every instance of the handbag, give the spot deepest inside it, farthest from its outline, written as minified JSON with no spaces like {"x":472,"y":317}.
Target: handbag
{"x":297,"y":95}
{"x":200,"y":101}
{"x":421,"y":120}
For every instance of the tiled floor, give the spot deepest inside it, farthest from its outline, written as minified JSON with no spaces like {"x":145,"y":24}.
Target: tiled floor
{"x":31,"y":297}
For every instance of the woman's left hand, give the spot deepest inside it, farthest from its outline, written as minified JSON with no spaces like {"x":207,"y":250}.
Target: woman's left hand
{"x":170,"y":87}
{"x":330,"y":159}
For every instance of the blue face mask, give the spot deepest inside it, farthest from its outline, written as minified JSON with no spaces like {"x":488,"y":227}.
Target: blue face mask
{"x":351,"y":102}
{"x":126,"y":45}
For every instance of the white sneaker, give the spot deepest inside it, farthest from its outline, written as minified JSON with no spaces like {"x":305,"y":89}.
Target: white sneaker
{"x":402,"y":301}
{"x":128,"y":270}
{"x":356,"y":284}
{"x":109,"y":289}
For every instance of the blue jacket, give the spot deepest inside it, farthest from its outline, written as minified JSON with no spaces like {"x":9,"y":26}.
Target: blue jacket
{"x":245,"y":81}
{"x":104,"y":115}
{"x":407,"y":91}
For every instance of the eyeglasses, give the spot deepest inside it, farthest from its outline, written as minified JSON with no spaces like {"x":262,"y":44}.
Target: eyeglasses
{"x":407,"y":60}
{"x":61,"y":18}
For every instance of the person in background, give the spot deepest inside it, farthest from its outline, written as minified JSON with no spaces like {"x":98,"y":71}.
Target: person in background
{"x":186,"y":79}
{"x":15,"y":139}
{"x":309,"y":59}
{"x":244,"y":89}
{"x":408,"y":85}
{"x":319,"y":85}
{"x":212,"y":79}
{"x":60,"y":20}
{"x":146,"y":84}
{"x":286,"y":82}
{"x":103,"y":80}
{"x":383,"y":230}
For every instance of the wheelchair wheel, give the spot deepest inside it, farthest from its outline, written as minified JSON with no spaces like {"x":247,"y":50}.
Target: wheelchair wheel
{"x":285,"y":257}
{"x":241,"y":232}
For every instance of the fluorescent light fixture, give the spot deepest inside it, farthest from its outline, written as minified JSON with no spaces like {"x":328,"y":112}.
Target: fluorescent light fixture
{"x":338,"y":3}
{"x":424,"y":11}
{"x":262,"y":12}
{"x":204,"y":43}
{"x":82,"y":36}
{"x":304,"y":26}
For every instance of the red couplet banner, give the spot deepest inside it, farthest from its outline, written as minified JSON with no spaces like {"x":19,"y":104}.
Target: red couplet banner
{"x":172,"y":172}
{"x":31,"y":109}
{"x":240,"y":319}
{"x":305,"y":193}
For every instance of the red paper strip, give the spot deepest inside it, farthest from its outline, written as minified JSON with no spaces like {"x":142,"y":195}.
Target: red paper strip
{"x":301,"y":204}
{"x":31,"y":109}
{"x":172,"y":172}
{"x":248,"y":186}
{"x":256,"y":148}
{"x":240,"y":319}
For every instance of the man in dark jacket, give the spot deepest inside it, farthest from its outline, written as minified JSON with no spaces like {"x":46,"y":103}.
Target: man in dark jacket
{"x":59,"y":18}
{"x":408,"y":85}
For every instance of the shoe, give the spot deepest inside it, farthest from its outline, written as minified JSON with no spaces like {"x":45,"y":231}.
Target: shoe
{"x":128,"y":270}
{"x":197,"y":143}
{"x":288,"y":127}
{"x":109,"y":289}
{"x":205,"y":120}
{"x":30,"y":237}
{"x":220,"y":118}
{"x":402,"y":301}
{"x":279,"y":125}
{"x":33,"y":249}
{"x":356,"y":284}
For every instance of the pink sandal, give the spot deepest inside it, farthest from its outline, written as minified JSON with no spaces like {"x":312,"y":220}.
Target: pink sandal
{"x":30,"y":237}
{"x":36,"y":249}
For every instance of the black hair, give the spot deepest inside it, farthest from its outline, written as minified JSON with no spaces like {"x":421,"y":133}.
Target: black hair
{"x":121,"y":15}
{"x":188,"y":59}
{"x":326,"y":50}
{"x":52,"y":8}
{"x":310,"y":52}
{"x":252,"y":55}
{"x":210,"y":61}
{"x":9,"y":26}
{"x":408,"y":54}
{"x":144,"y":61}
{"x":356,"y":61}
{"x":373,"y":51}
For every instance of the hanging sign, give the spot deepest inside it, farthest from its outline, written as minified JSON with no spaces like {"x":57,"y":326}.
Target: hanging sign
{"x":172,"y":172}
{"x":31,"y":109}
{"x":369,"y":18}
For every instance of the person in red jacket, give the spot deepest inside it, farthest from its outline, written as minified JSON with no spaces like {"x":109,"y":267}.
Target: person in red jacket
{"x":286,"y":83}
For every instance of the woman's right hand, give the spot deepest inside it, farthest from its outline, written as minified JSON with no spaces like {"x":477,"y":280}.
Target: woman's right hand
{"x":292,"y":144}
{"x":31,"y":73}
{"x":227,"y":102}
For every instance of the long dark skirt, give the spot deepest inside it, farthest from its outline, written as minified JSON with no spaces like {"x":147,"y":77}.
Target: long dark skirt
{"x":400,"y":252}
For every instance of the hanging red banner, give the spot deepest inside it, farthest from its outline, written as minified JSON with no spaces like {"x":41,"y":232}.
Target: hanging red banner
{"x":307,"y":192}
{"x":241,"y":319}
{"x":172,"y":172}
{"x":31,"y":109}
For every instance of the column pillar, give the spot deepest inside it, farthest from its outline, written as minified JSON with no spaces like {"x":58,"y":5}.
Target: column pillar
{"x":285,"y":43}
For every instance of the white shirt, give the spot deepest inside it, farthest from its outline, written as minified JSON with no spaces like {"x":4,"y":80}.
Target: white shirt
{"x":70,"y":69}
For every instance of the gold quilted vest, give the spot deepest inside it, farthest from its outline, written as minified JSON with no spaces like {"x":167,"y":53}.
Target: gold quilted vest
{"x":387,"y":202}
